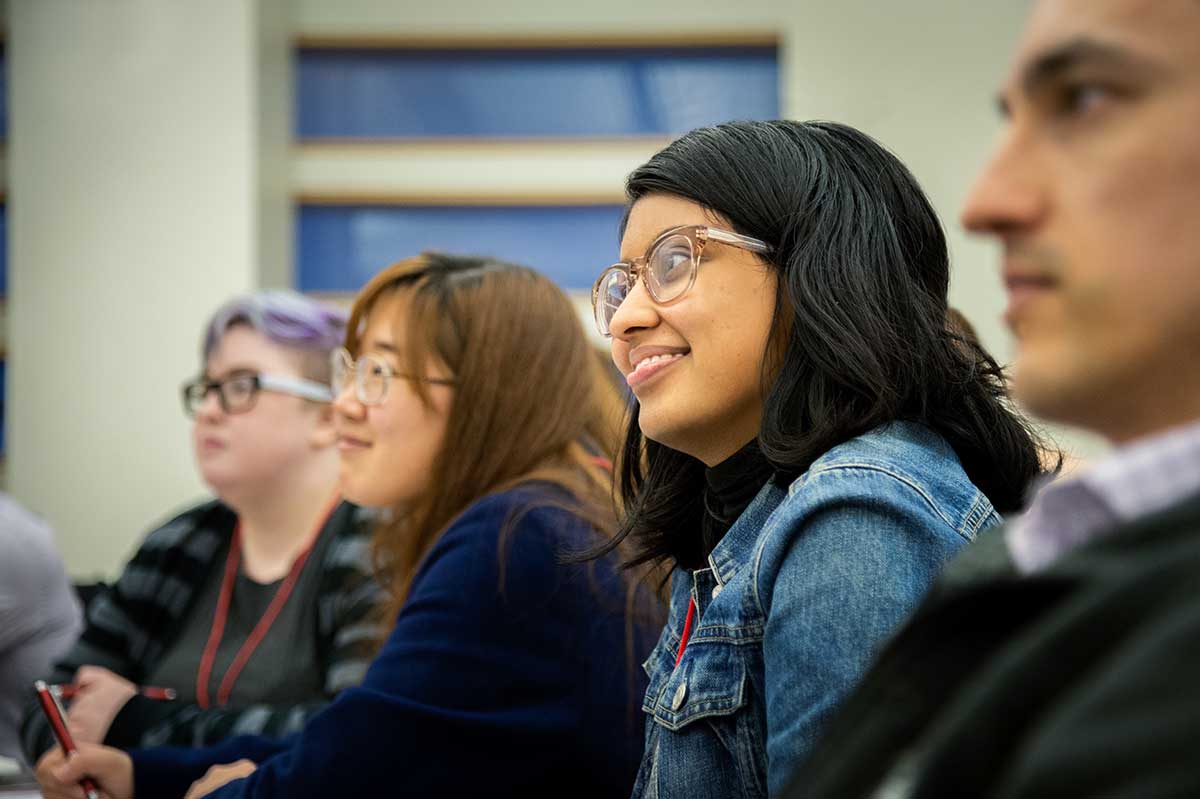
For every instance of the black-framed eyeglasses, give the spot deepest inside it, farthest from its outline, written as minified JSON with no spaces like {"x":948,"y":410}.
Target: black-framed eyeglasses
{"x":668,"y":268}
{"x":371,"y":375}
{"x":238,"y":392}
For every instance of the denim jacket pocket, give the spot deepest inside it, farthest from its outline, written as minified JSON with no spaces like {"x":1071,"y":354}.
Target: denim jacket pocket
{"x":704,"y":733}
{"x":698,"y":688}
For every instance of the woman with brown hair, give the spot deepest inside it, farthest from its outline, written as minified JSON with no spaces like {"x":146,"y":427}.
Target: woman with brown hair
{"x":469,"y":406}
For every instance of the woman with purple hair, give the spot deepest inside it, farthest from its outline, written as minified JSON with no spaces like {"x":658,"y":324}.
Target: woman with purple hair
{"x":254,"y":608}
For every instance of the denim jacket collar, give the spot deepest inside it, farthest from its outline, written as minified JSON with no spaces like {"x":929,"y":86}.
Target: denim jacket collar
{"x":737,"y":546}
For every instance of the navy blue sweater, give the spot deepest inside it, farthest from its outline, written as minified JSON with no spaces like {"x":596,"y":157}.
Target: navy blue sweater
{"x":507,"y":673}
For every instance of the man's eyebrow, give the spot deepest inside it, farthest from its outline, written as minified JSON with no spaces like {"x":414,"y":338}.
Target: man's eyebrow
{"x":1051,"y":65}
{"x":1080,"y":52}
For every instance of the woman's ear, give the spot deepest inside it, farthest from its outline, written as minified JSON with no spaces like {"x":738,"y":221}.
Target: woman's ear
{"x":324,"y":434}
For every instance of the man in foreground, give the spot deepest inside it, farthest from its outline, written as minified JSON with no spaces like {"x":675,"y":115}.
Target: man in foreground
{"x":1059,"y":656}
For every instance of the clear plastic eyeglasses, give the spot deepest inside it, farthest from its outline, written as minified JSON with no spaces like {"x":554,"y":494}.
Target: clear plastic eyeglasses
{"x":668,"y":268}
{"x":371,"y":376}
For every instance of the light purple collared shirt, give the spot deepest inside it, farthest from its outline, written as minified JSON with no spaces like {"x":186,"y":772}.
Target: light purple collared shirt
{"x":1136,"y":480}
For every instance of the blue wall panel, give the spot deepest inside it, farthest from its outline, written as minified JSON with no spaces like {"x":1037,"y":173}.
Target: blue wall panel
{"x":339,"y":248}
{"x":580,"y":92}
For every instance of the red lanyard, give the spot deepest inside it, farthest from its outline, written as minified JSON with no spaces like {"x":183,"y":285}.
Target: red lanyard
{"x":687,"y":630}
{"x":204,"y":674}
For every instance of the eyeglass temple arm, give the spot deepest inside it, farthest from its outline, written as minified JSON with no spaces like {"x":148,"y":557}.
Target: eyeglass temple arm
{"x":738,"y":240}
{"x":307,"y":389}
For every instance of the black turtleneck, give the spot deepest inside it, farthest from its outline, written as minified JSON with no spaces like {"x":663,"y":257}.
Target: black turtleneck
{"x":729,"y":488}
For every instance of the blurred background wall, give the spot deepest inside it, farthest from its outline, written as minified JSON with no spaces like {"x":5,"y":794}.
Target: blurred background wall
{"x":161,"y":156}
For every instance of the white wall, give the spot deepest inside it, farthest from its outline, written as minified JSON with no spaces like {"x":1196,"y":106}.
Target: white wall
{"x":134,"y":211}
{"x":149,"y":177}
{"x":271,"y":45}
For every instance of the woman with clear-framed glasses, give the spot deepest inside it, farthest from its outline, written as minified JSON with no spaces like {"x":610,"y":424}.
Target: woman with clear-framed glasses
{"x":253,"y":607}
{"x":810,"y":440}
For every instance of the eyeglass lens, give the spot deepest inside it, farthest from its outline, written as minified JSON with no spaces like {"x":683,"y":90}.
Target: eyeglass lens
{"x":370,"y":376}
{"x":235,"y":394}
{"x":668,"y":273}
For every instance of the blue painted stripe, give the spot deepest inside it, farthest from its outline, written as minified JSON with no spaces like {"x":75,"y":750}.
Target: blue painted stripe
{"x":339,"y":248}
{"x":550,"y":92}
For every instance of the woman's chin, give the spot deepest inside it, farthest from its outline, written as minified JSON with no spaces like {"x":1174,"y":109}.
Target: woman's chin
{"x":218,"y":481}
{"x":366,"y":493}
{"x":352,"y":491}
{"x":662,"y":429}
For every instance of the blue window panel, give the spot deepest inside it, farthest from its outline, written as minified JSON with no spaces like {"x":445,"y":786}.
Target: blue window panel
{"x":341,"y":247}
{"x":514,"y":93}
{"x":3,"y":249}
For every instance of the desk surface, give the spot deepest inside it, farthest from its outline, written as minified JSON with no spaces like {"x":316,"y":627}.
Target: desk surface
{"x":14,"y":784}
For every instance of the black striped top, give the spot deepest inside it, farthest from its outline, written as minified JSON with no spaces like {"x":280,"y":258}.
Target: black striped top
{"x":131,"y":624}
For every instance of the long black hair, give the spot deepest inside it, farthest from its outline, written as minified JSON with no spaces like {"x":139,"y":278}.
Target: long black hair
{"x":860,"y":335}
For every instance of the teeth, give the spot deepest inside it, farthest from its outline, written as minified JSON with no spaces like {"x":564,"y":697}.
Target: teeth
{"x":656,"y":358}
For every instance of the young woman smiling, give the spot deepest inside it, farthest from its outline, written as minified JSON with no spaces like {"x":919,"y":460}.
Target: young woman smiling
{"x":811,"y":439}
{"x":469,"y":406}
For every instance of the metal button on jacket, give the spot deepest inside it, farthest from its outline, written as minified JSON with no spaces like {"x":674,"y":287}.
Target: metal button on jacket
{"x":680,"y":695}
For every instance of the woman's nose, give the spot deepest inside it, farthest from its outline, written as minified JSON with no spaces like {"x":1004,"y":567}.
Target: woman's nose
{"x":636,"y":312}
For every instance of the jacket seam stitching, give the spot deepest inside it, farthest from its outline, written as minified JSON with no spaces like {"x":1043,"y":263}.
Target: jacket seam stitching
{"x":899,"y":477}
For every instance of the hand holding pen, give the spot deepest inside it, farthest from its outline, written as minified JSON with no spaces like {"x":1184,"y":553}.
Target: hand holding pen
{"x":97,"y":696}
{"x":59,"y":776}
{"x":52,"y":708}
{"x":64,"y":771}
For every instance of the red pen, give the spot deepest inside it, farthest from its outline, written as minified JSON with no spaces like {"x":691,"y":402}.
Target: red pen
{"x":68,"y":691}
{"x":52,"y":707}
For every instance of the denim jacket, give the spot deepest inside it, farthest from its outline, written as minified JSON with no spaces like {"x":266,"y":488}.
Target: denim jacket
{"x":799,"y":594}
